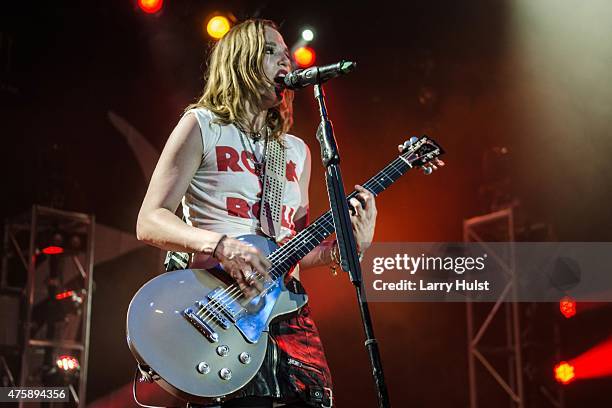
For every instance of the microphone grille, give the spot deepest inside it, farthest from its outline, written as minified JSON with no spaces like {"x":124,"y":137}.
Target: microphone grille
{"x":347,"y":66}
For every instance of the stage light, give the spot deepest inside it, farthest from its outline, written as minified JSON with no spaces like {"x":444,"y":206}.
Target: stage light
{"x":53,"y":243}
{"x":64,"y":295}
{"x":596,"y":362}
{"x":70,"y":300}
{"x":65,"y":371}
{"x":217,"y":27}
{"x":150,"y":6}
{"x":567,"y":306}
{"x":307,"y":35}
{"x":564,"y":373}
{"x":53,"y":250}
{"x":67,"y":363}
{"x":304,"y":57}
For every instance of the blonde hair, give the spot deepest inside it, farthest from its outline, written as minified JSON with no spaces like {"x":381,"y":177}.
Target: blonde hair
{"x":235,"y":78}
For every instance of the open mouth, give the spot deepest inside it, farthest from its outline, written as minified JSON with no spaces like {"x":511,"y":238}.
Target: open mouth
{"x":279,"y":84}
{"x":280,"y":77}
{"x":279,"y":80}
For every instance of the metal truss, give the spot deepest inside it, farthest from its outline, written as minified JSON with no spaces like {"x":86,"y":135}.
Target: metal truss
{"x":24,"y":238}
{"x":496,"y":226}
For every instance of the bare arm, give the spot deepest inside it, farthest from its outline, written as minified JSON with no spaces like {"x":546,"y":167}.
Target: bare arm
{"x":158,"y":225}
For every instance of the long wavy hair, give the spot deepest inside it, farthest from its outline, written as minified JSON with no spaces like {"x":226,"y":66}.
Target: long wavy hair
{"x":235,"y":78}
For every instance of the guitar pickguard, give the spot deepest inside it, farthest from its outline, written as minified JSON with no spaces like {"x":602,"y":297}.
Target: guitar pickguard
{"x":258,"y":311}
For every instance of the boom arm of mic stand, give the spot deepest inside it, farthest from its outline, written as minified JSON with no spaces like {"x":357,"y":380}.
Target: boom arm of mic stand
{"x":349,"y":259}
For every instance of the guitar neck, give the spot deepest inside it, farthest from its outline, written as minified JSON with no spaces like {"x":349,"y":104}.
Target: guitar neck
{"x":285,"y":257}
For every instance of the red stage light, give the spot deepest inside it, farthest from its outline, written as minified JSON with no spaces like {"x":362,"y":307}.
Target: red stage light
{"x":64,"y":295}
{"x":567,"y":306}
{"x":564,"y":372}
{"x":53,"y":250}
{"x":595,"y":362}
{"x":150,"y":6}
{"x":304,"y":57}
{"x":67,"y":363}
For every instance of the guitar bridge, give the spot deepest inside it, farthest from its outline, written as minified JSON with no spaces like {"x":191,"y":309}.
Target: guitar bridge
{"x":201,"y":325}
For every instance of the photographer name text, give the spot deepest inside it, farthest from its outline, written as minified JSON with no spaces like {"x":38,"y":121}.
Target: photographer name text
{"x":422,"y":285}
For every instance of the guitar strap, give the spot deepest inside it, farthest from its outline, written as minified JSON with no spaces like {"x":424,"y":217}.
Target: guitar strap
{"x":273,"y":182}
{"x":176,"y":260}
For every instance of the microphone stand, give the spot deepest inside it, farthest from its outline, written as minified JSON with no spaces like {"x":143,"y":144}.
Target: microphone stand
{"x":349,"y":260}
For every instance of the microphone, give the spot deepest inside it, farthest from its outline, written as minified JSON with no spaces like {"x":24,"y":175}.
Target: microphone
{"x":301,"y":78}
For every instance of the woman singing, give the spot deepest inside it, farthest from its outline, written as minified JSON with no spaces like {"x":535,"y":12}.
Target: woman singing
{"x":214,"y":163}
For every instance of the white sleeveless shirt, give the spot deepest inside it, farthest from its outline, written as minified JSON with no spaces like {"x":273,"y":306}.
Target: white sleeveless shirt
{"x":224,"y":194}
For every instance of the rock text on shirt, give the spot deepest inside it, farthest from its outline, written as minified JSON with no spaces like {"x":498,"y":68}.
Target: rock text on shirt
{"x":229,"y":159}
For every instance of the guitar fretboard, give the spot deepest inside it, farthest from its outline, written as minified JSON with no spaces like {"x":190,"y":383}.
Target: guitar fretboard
{"x":285,"y":257}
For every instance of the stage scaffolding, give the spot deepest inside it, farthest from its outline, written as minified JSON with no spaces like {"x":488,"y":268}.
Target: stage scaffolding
{"x":54,"y":249}
{"x":502,"y":226}
{"x":496,"y":226}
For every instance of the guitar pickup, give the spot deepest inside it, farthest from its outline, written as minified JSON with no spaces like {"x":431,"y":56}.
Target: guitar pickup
{"x":200,"y":325}
{"x":232,"y":309}
{"x":211,"y":310}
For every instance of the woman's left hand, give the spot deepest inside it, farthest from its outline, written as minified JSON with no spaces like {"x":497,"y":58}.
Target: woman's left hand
{"x":363,"y":217}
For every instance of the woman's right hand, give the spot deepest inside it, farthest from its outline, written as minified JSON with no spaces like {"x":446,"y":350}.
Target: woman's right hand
{"x":244,"y":263}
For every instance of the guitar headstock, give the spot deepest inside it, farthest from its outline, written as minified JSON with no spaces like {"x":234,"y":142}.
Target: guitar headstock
{"x":422,"y":152}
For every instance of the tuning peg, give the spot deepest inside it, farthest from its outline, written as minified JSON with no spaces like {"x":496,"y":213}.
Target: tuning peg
{"x":427,"y":170}
{"x":411,"y":141}
{"x":406,"y":145}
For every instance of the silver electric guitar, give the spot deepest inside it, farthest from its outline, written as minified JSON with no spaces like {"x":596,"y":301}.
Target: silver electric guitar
{"x":199,"y":338}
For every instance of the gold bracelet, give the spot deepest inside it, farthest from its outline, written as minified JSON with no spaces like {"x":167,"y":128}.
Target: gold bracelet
{"x":335,"y":258}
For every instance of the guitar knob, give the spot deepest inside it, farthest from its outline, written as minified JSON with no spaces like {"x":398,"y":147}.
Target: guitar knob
{"x":244,"y":357}
{"x":225,"y":374}
{"x":223,"y":350}
{"x":203,"y":368}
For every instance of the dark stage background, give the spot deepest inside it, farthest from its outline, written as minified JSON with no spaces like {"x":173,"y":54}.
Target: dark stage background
{"x":531,"y":76}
